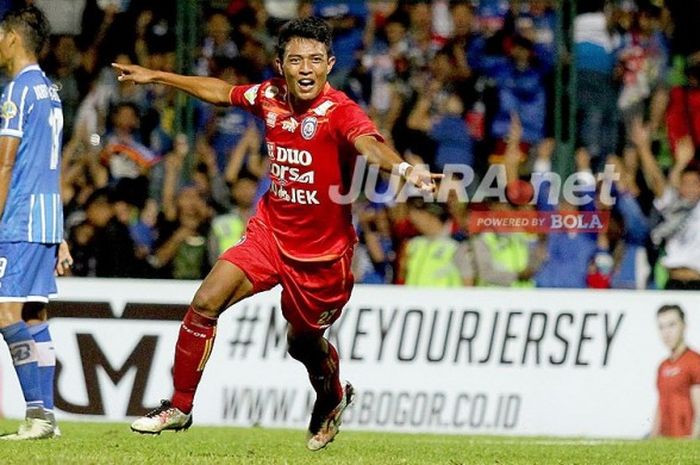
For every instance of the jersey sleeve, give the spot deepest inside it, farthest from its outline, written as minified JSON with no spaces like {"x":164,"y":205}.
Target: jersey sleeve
{"x":695,"y":371}
{"x":247,"y":97}
{"x":13,"y":109}
{"x":351,"y":122}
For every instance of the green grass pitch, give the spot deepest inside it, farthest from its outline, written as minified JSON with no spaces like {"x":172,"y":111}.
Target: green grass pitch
{"x":109,"y":443}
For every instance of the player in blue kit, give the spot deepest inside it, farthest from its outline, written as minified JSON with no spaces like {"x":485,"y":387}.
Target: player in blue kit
{"x":31,"y":214}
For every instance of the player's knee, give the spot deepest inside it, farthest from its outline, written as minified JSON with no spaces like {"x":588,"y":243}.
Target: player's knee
{"x":303,"y":348}
{"x":10,"y":314}
{"x":294,"y":349}
{"x":6,"y":321}
{"x":207,"y":304}
{"x":34,"y":312}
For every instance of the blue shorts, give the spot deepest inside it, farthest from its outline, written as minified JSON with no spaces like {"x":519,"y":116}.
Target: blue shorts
{"x":27,"y":271}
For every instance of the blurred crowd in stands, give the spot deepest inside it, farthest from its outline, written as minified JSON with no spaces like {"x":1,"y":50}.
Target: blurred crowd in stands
{"x":469,"y":82}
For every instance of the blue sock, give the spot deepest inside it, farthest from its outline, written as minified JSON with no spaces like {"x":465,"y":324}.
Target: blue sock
{"x":46,"y":360}
{"x":23,"y":353}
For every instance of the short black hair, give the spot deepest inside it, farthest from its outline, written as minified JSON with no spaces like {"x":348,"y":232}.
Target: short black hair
{"x":671,"y":308}
{"x":692,"y":167}
{"x":305,"y":28}
{"x":436,"y":209}
{"x":125,"y":104}
{"x":456,"y":3}
{"x":31,"y":23}
{"x":591,"y":6}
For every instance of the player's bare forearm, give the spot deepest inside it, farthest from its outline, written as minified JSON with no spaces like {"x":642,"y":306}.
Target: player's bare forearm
{"x":5,"y":178}
{"x":378,"y":153}
{"x":650,"y":167}
{"x":208,"y":89}
{"x":8,"y":152}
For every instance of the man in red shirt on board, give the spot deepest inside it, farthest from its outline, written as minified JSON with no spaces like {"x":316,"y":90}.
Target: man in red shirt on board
{"x":678,"y":380}
{"x":299,"y":238}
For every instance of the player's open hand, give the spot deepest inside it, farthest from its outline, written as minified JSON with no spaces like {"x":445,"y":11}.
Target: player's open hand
{"x":134,"y":73}
{"x":422,"y":178}
{"x":65,"y":260}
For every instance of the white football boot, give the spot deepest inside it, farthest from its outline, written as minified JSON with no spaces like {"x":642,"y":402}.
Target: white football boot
{"x":165,"y":417}
{"x":32,"y":428}
{"x":323,"y":430}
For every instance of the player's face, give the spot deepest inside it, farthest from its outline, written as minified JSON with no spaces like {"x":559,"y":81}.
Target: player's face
{"x":305,"y":67}
{"x":689,"y":188}
{"x":6,"y":39}
{"x":671,"y":328}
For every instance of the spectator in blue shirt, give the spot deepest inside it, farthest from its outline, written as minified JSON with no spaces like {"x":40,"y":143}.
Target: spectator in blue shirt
{"x":520,"y":84}
{"x":446,"y":128}
{"x":596,"y":48}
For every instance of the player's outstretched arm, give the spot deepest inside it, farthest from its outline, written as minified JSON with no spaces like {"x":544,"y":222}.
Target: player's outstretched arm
{"x":380,"y":154}
{"x":209,"y":89}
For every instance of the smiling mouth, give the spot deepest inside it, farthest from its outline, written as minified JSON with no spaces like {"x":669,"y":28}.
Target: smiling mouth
{"x":306,"y":84}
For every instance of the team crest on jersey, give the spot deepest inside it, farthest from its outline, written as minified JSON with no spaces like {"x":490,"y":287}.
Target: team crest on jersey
{"x":308,"y":127}
{"x":271,"y":119}
{"x":251,"y":94}
{"x":290,"y":125}
{"x":8,"y":110}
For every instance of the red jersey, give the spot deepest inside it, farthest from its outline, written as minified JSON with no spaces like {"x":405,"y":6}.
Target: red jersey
{"x":309,"y":153}
{"x":674,"y":379}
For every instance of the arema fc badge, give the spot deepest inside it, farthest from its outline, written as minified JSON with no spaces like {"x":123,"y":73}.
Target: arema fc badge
{"x":308,"y":127}
{"x":8,"y":110}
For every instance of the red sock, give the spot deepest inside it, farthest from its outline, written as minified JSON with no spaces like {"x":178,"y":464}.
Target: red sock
{"x":194,"y":345}
{"x":325,"y":376}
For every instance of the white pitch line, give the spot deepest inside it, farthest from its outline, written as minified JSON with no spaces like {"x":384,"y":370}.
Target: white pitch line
{"x":554,"y":442}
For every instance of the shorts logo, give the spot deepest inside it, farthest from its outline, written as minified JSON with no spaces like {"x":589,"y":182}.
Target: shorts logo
{"x":8,"y":110}
{"x":251,"y":94}
{"x":308,"y":127}
{"x":3,"y":266}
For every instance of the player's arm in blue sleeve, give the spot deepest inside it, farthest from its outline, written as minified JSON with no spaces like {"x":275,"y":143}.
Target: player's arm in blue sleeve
{"x":636,"y":223}
{"x":211,"y":90}
{"x":12,"y":118}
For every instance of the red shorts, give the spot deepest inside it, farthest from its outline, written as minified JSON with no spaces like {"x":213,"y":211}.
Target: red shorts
{"x":313,"y":293}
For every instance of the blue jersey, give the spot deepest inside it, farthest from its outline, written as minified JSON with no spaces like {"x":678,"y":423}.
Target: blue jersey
{"x":30,"y":110}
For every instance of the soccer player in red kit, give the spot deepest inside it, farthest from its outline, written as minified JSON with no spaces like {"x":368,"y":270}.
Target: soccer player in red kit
{"x":678,"y":380}
{"x":299,"y":238}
